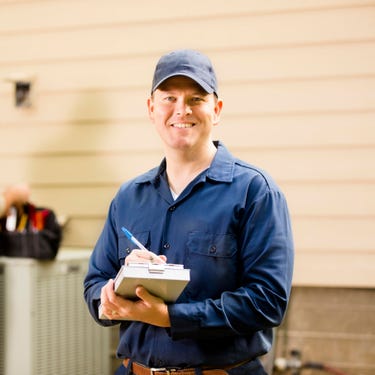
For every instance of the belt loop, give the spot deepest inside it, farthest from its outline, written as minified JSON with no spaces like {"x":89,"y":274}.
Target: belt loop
{"x":198,"y":371}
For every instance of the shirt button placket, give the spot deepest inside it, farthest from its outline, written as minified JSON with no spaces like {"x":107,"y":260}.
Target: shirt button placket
{"x":167,"y":245}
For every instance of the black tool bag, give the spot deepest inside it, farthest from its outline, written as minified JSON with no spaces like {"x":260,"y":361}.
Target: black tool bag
{"x":37,"y":234}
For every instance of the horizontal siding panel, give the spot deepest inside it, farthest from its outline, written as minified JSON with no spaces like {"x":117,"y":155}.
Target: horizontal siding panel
{"x":94,"y":74}
{"x":28,"y":14}
{"x":333,"y":269}
{"x":82,"y":232}
{"x":327,"y":200}
{"x":304,"y":131}
{"x":297,"y":131}
{"x":315,"y":165}
{"x":340,"y":25}
{"x":273,"y":98}
{"x":93,"y":169}
{"x":75,"y":201}
{"x":305,"y":96}
{"x":284,"y":165}
{"x":342,"y":234}
{"x":65,"y":138}
{"x":241,"y":65}
{"x":78,"y":106}
{"x":360,"y":299}
{"x":297,"y":62}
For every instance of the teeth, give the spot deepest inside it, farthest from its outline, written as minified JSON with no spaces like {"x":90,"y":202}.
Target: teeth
{"x":183,"y":125}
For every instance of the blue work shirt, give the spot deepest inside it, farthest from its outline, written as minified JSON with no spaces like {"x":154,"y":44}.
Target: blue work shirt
{"x":231,"y":228}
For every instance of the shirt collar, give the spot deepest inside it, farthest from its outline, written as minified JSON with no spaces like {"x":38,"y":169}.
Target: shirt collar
{"x":222,"y":165}
{"x":221,"y":168}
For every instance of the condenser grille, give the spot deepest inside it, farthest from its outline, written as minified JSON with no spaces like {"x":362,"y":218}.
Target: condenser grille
{"x":67,"y":340}
{"x":45,"y":326}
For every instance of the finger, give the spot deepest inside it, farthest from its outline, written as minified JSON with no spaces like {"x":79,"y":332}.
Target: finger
{"x":145,"y":256}
{"x":153,"y":309}
{"x":105,"y":290}
{"x":143,"y":294}
{"x":108,"y":296}
{"x":148,"y":255}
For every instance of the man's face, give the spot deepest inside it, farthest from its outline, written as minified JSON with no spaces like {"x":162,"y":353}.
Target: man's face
{"x":183,"y":113}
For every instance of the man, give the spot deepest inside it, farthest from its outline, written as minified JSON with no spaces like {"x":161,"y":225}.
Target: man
{"x":222,"y":218}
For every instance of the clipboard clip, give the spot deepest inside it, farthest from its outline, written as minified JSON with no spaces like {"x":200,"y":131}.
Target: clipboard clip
{"x":156,"y":268}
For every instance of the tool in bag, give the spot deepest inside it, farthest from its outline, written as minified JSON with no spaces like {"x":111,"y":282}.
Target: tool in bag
{"x":30,"y":232}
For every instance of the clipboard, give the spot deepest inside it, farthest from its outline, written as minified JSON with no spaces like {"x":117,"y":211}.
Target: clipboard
{"x":166,"y":281}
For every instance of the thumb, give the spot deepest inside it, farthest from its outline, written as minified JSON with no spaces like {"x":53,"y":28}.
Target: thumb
{"x":147,"y":298}
{"x":142,"y":293}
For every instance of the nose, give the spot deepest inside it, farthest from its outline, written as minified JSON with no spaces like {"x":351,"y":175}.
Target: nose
{"x":183,"y":109}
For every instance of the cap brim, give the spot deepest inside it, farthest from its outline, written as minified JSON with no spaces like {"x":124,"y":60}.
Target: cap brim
{"x":201,"y":83}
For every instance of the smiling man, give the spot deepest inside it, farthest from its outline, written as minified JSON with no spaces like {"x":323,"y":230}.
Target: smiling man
{"x":184,"y":115}
{"x":224,"y":219}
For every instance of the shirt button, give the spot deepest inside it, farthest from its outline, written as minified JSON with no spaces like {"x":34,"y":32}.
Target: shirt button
{"x":213,"y":249}
{"x":128,"y":250}
{"x":166,"y":245}
{"x":172,"y":208}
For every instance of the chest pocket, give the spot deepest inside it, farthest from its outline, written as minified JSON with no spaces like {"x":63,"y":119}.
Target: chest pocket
{"x":212,"y":258}
{"x":212,"y":244}
{"x":125,"y":246}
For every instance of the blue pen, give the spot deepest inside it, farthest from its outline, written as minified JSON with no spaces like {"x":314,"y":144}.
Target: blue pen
{"x":133,"y":239}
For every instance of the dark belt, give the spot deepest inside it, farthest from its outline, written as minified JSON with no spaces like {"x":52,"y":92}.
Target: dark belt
{"x":139,"y":369}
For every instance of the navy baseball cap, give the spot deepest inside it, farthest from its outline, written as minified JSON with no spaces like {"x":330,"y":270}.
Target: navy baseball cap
{"x":188,"y":63}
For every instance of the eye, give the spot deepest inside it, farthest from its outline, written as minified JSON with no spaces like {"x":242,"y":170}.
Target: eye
{"x":169,"y":98}
{"x":196,"y":99}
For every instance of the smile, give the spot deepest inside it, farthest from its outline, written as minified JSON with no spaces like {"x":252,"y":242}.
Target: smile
{"x":182,"y":125}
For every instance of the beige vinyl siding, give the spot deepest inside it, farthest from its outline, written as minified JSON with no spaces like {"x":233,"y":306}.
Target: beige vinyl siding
{"x":298,"y":83}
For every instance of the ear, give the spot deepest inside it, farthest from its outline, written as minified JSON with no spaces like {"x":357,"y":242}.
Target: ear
{"x":150,"y":107}
{"x":217,"y":112}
